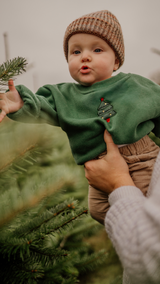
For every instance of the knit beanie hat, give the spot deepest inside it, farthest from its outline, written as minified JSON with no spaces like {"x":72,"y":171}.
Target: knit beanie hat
{"x":102,"y":24}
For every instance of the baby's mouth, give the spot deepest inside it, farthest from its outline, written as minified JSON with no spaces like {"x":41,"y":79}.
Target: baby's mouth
{"x":84,"y":69}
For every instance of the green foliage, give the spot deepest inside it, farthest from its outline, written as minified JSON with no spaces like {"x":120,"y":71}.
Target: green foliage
{"x":42,"y":226}
{"x":117,"y":280}
{"x":32,"y":251}
{"x":154,"y":138}
{"x":12,"y":68}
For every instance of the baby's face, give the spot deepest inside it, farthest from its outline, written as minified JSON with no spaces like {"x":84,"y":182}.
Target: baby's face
{"x":90,"y":59}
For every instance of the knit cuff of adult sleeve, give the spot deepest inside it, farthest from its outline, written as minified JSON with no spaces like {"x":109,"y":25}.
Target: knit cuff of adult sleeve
{"x":124,"y":192}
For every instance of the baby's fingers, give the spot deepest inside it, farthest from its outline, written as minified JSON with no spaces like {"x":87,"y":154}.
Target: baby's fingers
{"x":11,"y":85}
{"x":2,"y":96}
{"x":3,"y":108}
{"x":2,"y":115}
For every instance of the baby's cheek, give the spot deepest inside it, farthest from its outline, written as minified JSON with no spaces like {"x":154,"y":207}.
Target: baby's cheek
{"x":72,"y":66}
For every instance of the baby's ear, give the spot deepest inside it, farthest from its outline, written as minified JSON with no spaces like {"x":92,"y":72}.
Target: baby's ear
{"x":116,"y":65}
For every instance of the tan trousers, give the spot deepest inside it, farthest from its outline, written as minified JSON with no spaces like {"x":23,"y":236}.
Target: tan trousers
{"x":140,"y":157}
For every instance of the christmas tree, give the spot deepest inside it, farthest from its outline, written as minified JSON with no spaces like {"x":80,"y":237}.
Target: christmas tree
{"x":105,"y":110}
{"x":42,"y":225}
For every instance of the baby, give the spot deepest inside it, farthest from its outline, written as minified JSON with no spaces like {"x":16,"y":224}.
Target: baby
{"x":127,"y":105}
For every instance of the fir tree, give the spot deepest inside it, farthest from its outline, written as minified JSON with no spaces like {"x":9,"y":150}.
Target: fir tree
{"x":42,"y":230}
{"x":42,"y":226}
{"x":105,"y":110}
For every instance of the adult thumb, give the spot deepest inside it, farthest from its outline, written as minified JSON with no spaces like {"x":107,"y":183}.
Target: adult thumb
{"x":11,"y":85}
{"x":111,"y":147}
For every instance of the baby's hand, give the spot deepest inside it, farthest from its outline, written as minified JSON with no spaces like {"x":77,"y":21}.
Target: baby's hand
{"x":10,"y":101}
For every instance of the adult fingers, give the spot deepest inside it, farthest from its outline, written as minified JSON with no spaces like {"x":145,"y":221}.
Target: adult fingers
{"x":111,"y":147}
{"x":88,"y":166}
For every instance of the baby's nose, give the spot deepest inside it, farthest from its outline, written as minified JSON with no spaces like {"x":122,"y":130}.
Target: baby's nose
{"x":86,"y":57}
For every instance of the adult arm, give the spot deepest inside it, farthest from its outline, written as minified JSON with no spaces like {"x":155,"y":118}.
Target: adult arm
{"x":133,"y":221}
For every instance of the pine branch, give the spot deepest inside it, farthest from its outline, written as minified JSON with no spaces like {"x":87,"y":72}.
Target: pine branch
{"x":12,"y":68}
{"x":31,"y":244}
{"x":68,"y":221}
{"x":31,"y":202}
{"x":37,"y":222}
{"x":79,"y":232}
{"x":54,"y":227}
{"x":47,"y":252}
{"x":20,"y":155}
{"x":90,"y":262}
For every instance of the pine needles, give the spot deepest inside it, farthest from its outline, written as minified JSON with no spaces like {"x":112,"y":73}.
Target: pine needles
{"x":42,"y":243}
{"x":12,"y":68}
{"x":42,"y":226}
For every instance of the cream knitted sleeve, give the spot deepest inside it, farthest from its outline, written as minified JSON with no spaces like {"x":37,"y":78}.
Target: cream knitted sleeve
{"x":133,"y":225}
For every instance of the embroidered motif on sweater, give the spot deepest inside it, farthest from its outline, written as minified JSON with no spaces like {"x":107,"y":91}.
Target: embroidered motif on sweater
{"x":105,"y":110}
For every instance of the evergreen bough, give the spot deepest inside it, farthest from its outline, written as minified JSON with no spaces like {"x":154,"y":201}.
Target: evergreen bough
{"x":41,"y":231}
{"x":12,"y":68}
{"x":42,"y":225}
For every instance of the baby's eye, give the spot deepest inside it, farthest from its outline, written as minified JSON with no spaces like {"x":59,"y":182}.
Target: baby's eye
{"x":97,"y":50}
{"x":76,"y":52}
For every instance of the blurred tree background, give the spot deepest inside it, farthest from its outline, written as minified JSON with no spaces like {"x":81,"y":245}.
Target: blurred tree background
{"x":46,"y":233}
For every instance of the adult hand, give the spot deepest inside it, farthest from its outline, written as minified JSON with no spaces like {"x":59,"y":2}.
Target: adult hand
{"x":111,"y":171}
{"x":10,"y":101}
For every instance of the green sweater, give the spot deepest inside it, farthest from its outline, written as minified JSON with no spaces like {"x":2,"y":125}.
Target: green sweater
{"x":127,"y":105}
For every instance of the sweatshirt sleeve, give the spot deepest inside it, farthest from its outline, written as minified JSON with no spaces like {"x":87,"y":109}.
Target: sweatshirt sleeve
{"x":133,"y":225}
{"x":38,"y":108}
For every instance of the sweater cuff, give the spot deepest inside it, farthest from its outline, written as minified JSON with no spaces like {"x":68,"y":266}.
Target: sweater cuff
{"x":123,"y":192}
{"x":31,"y":109}
{"x":16,"y":115}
